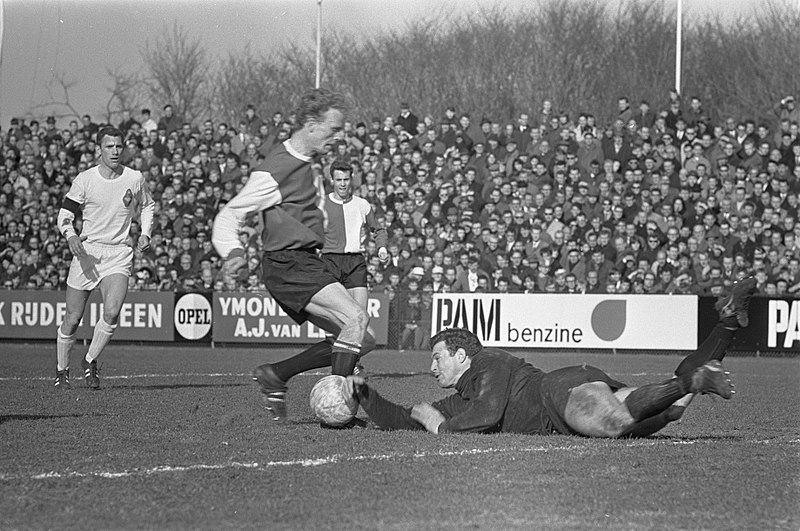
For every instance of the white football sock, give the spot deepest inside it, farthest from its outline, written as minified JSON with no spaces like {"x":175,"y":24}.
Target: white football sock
{"x":63,"y":348}
{"x":102,"y":335}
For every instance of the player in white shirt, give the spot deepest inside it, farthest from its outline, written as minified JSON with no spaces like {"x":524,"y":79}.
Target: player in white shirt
{"x":348,"y":216}
{"x":109,"y":195}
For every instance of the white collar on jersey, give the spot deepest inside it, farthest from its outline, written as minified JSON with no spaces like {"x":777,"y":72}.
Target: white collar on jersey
{"x":335,"y":198}
{"x":293,"y":152}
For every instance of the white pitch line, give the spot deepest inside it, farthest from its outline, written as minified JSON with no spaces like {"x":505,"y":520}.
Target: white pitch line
{"x":173,"y":375}
{"x":248,"y":375}
{"x":340,"y":459}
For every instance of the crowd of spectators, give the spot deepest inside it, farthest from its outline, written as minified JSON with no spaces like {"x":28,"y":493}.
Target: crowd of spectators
{"x":660,"y":200}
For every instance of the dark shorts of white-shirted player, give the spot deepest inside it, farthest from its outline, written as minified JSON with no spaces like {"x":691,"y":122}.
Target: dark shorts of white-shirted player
{"x":293,"y":277}
{"x":349,"y":269}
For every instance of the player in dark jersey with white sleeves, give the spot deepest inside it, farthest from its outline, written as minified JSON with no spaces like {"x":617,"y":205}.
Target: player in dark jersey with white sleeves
{"x":109,"y":196}
{"x":348,"y":216}
{"x":290,"y":198}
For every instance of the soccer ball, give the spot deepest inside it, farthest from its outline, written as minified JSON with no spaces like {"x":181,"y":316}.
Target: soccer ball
{"x":330,"y":403}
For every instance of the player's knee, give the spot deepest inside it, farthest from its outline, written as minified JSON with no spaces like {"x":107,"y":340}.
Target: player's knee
{"x":368,"y":343}
{"x":70,"y":324}
{"x":360,"y":319}
{"x":110,"y":317}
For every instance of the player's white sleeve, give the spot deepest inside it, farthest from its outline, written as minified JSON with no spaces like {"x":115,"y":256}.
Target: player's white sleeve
{"x":148,"y":208}
{"x":260,"y":193}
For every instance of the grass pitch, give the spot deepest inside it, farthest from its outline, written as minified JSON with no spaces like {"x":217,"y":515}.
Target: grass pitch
{"x":176,"y":439}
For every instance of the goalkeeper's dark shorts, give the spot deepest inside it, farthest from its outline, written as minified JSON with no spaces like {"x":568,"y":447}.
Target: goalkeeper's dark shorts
{"x":557,"y":385}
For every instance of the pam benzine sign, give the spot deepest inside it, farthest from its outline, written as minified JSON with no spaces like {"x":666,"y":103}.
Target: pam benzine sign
{"x":577,"y":321}
{"x":481,"y":316}
{"x":783,"y":320}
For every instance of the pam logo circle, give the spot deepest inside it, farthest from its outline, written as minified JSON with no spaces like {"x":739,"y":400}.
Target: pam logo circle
{"x":193,"y":316}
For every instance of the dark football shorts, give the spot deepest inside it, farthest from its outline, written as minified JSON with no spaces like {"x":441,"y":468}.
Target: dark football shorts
{"x":557,"y":385}
{"x":350,"y":269}
{"x":293,"y":277}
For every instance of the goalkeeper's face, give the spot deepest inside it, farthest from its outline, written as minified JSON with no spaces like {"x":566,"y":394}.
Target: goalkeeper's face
{"x":448,"y":367}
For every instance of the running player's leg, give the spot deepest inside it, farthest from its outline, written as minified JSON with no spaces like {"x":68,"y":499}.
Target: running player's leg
{"x":333,"y":304}
{"x":319,"y":355}
{"x":333,"y":310}
{"x":361,"y":296}
{"x":65,"y":335}
{"x":113,"y":289}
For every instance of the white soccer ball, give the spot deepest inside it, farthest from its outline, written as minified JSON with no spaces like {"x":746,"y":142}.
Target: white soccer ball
{"x":330,"y":403}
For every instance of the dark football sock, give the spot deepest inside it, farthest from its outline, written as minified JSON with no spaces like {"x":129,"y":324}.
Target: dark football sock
{"x":314,"y":357}
{"x":650,"y":400}
{"x":344,"y":358}
{"x":655,"y":423}
{"x":713,"y":348}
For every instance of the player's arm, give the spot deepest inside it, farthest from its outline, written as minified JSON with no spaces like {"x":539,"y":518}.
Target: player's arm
{"x":260,"y":193}
{"x":146,"y":215}
{"x":379,"y":234}
{"x":387,"y":415}
{"x":70,"y":207}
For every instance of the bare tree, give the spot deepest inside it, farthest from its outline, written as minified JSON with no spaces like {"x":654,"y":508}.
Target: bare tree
{"x":128,"y":92}
{"x":59,"y":104}
{"x":178,"y":72}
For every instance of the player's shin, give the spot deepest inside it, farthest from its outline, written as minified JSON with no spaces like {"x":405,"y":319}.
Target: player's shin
{"x":64,"y":346}
{"x":314,"y":357}
{"x":102,"y":335}
{"x":650,"y":400}
{"x":713,"y":347}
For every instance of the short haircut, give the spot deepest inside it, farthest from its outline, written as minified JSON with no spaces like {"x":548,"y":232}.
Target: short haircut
{"x":108,"y":131}
{"x":315,"y":102}
{"x":340,"y":165}
{"x":456,"y":338}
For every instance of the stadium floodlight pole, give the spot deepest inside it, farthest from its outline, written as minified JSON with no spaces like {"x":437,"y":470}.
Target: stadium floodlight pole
{"x":2,"y":27}
{"x":678,"y":50}
{"x":319,"y":39}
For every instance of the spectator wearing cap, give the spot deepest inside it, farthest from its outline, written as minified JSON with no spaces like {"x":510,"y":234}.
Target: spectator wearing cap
{"x":407,"y":119}
{"x":786,"y":109}
{"x":51,"y":133}
{"x":438,"y":280}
